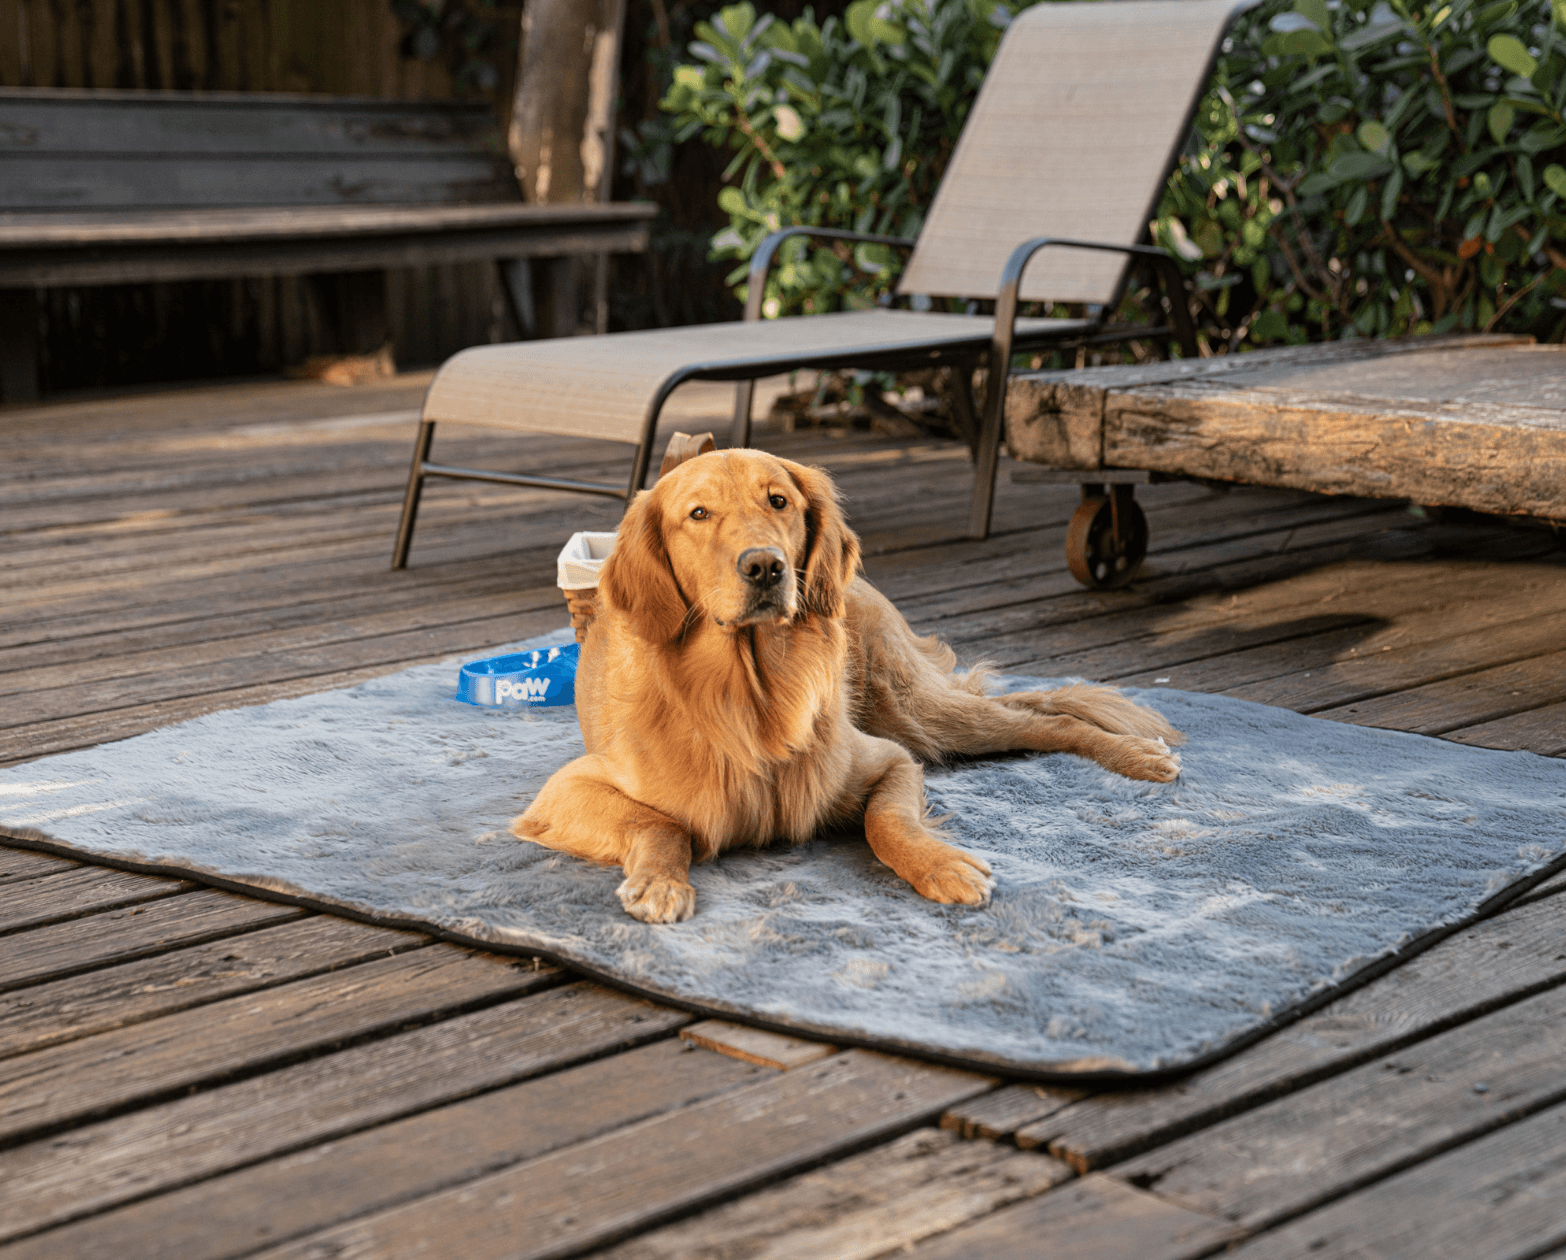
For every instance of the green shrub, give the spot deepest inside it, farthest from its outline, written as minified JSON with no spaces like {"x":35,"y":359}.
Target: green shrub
{"x":843,"y":124}
{"x":1374,"y":169}
{"x":1363,"y":169}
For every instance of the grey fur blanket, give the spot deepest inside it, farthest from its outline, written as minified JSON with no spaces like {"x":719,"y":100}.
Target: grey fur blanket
{"x":1135,"y":928}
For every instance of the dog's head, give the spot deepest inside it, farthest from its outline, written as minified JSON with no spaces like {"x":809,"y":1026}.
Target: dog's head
{"x":738,"y":538}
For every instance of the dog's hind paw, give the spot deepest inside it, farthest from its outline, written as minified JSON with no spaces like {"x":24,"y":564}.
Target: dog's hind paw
{"x":958,"y":879}
{"x":1148,"y":759}
{"x":653,"y":899}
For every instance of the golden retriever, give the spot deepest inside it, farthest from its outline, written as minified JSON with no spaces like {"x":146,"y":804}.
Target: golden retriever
{"x":741,"y":684}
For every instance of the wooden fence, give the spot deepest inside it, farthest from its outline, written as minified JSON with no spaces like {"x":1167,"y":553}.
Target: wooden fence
{"x":130,"y":333}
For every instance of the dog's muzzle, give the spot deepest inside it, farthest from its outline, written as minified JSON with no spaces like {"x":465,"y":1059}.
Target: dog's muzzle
{"x":762,"y":568}
{"x":765,"y":573}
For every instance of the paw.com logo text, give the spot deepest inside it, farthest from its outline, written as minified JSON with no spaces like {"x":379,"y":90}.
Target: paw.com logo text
{"x":529,"y":689}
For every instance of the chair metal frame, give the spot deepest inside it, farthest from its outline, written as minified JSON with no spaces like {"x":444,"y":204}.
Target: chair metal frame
{"x":1003,"y":343}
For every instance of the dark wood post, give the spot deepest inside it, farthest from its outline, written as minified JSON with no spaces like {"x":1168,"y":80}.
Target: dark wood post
{"x":561,"y":140}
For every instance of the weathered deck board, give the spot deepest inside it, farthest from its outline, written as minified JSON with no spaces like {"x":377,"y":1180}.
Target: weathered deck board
{"x":423,"y":1154}
{"x":68,"y":894}
{"x":17,"y":865}
{"x":1546,"y":889}
{"x":1320,"y":1143}
{"x":131,"y":992}
{"x":1234,"y":569}
{"x":683,"y":1160}
{"x":865,"y":1206}
{"x":1179,"y":552}
{"x":755,"y":1045}
{"x":1357,"y":586}
{"x":143,"y":1062}
{"x":319,"y":1100}
{"x":1363,"y":662}
{"x":1499,"y":1197}
{"x":178,"y":552}
{"x":1001,"y":1113}
{"x":1482,"y":695}
{"x":122,"y":935}
{"x":1541,"y":730}
{"x":1096,"y":1216}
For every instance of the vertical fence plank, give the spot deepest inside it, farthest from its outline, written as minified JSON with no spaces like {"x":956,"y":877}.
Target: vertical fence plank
{"x":100,"y":42}
{"x":13,"y":45}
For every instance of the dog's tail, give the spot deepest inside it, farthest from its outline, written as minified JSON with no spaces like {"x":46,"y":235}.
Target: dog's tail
{"x":978,"y":679}
{"x":1105,"y":707}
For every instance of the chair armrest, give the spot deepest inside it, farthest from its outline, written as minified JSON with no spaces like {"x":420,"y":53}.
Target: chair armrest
{"x":761,"y":260}
{"x":1004,"y":336}
{"x":1006,"y":301}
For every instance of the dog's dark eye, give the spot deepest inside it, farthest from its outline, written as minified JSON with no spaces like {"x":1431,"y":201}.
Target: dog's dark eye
{"x":778,"y":501}
{"x":698,"y":514}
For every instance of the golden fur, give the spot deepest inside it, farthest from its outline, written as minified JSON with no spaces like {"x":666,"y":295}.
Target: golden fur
{"x":741,"y":684}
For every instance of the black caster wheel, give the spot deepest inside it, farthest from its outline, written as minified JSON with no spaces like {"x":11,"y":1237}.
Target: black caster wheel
{"x":1107,"y":538}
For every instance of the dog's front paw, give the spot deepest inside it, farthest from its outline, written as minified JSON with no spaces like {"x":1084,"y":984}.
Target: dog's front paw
{"x":1148,"y":759}
{"x":654,"y":899}
{"x":955,"y":879}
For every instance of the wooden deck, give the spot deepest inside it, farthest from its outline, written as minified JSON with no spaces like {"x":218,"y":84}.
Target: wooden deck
{"x":188,"y":1073}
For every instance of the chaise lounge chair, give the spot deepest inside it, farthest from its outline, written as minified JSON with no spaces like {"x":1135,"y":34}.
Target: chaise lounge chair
{"x":1060,"y":165}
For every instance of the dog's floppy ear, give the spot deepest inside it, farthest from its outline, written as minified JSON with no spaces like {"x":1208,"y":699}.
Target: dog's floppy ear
{"x":637,"y":578}
{"x":831,"y":548}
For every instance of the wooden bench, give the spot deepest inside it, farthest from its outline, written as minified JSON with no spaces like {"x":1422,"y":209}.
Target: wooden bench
{"x":127,"y":187}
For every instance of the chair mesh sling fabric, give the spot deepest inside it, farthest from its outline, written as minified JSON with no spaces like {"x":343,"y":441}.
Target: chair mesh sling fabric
{"x":1070,"y":140}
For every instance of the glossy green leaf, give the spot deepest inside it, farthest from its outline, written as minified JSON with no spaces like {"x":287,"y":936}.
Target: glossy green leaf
{"x":1316,"y":11}
{"x":1268,"y":326}
{"x":1350,"y":166}
{"x":1390,"y":192}
{"x":1541,"y":136}
{"x":1555,"y":179}
{"x":1510,"y":53}
{"x":1374,"y":136}
{"x":1315,"y":183}
{"x":1499,"y":120}
{"x":1305,"y":43}
{"x":738,"y":19}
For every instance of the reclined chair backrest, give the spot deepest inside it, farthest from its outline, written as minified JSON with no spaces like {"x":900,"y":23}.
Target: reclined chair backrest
{"x":1073,"y":135}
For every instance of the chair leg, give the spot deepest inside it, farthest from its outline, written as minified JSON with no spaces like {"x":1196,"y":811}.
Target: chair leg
{"x":410,"y":500}
{"x":1179,"y":310}
{"x":987,"y":457}
{"x":744,"y":398}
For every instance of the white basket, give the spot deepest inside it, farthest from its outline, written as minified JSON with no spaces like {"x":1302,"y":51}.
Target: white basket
{"x":581,"y":559}
{"x":577,"y":575}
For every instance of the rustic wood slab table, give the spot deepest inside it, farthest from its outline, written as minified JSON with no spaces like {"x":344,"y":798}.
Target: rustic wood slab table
{"x":1475,"y":422}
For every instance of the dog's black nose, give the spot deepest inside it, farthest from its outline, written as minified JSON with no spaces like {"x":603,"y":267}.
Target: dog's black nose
{"x":762,"y":566}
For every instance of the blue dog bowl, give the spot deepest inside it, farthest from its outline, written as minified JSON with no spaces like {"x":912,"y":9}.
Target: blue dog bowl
{"x":546,"y":676}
